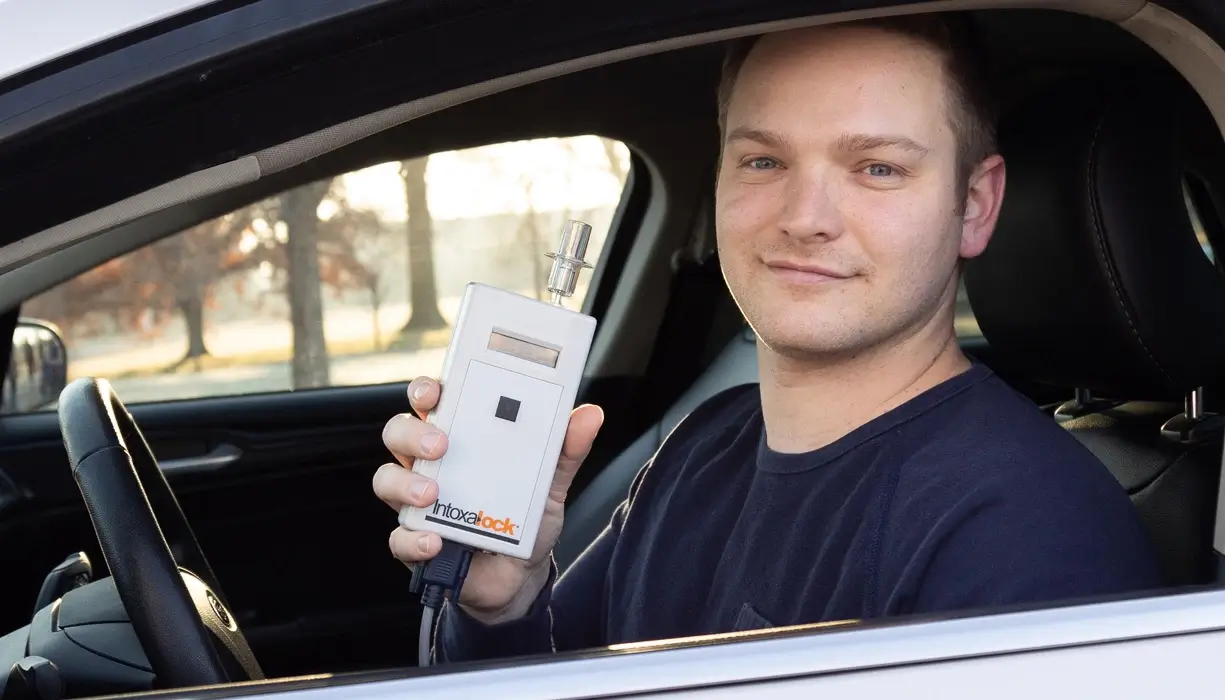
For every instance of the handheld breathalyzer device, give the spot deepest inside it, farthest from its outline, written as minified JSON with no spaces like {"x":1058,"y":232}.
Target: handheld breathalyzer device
{"x":509,"y":381}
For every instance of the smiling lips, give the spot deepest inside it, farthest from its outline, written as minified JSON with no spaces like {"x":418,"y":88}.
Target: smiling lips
{"x":805,"y":273}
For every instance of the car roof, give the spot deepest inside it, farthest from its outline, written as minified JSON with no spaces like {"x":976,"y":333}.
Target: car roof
{"x":39,"y":31}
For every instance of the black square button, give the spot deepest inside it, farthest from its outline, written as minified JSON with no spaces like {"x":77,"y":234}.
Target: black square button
{"x":508,"y":409}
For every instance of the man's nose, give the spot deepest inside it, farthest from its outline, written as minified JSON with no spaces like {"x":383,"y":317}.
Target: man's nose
{"x":809,"y":209}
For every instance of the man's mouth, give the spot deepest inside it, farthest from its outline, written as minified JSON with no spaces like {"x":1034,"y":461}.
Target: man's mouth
{"x":806,"y":272}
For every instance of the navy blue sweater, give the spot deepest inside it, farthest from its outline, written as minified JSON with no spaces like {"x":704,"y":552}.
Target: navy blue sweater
{"x":965,"y":496}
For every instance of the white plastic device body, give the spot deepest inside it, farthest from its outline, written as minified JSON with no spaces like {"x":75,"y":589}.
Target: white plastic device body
{"x":509,"y":382}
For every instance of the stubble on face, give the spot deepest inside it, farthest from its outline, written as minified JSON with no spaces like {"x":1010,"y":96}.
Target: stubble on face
{"x":836,"y":211}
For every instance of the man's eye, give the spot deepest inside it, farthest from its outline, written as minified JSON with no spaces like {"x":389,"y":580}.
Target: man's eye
{"x":761,"y":163}
{"x":879,"y":170}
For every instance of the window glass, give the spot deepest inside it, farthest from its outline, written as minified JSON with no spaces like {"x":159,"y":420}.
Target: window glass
{"x":1196,"y":222}
{"x":348,"y":281}
{"x":963,"y":320}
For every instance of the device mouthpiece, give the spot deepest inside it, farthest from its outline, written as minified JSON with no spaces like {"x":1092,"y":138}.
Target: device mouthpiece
{"x":568,"y":260}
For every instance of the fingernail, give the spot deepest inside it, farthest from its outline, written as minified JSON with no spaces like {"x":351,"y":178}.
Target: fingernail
{"x":419,"y":490}
{"x":395,"y":429}
{"x":419,"y":390}
{"x":429,"y":441}
{"x":423,"y":544}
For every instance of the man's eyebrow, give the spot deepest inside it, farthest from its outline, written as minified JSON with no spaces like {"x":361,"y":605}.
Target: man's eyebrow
{"x":850,"y":143}
{"x":765,"y":138}
{"x":855,"y":143}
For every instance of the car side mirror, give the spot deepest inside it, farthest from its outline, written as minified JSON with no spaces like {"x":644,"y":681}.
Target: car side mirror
{"x":38,"y":368}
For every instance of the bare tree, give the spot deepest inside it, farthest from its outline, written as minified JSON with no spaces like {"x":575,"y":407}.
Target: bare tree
{"x":354,"y":247}
{"x":142,"y":291}
{"x":376,"y":285}
{"x":192,"y":263}
{"x":299,"y":211}
{"x":145,"y":289}
{"x":423,"y":291}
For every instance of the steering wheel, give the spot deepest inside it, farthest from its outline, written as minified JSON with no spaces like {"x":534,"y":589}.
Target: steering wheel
{"x":176,"y":608}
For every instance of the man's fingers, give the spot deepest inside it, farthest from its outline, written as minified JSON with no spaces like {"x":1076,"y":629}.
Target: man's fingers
{"x":408,"y":438}
{"x":585,"y":422}
{"x":423,"y":393}
{"x":399,"y":487}
{"x":411,"y":547}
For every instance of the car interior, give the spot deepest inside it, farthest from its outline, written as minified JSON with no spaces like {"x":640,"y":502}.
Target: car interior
{"x":1099,"y":298}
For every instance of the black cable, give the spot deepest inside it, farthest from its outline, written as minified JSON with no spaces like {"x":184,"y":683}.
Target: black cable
{"x":440,"y":576}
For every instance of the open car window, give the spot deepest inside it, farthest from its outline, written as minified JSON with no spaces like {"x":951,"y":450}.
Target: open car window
{"x":353,"y":280}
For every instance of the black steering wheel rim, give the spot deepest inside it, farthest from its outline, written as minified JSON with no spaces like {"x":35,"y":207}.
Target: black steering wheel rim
{"x":137,"y":520}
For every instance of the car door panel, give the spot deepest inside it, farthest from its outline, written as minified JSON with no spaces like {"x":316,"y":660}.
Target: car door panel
{"x":290,"y":524}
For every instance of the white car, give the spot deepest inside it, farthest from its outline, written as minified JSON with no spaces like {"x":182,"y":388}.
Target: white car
{"x":243,"y":225}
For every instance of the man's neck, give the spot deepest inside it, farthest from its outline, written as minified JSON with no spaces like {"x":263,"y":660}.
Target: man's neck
{"x":808,"y":404}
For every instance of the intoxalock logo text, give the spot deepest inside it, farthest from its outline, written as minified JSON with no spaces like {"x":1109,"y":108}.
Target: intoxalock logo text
{"x":504,"y":528}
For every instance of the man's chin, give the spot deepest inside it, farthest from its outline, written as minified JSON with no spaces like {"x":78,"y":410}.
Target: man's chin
{"x":814,"y":344}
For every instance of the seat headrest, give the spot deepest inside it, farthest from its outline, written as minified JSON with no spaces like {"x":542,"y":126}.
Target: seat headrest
{"x":1094,"y":277}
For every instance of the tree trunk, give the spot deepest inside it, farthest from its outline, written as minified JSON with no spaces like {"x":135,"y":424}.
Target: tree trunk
{"x":192,"y":308}
{"x":376,"y":302}
{"x":299,"y":209}
{"x":423,"y":292}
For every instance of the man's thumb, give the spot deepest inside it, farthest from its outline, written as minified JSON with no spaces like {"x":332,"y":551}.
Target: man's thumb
{"x":585,"y":422}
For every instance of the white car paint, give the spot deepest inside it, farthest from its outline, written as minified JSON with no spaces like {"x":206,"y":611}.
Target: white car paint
{"x":1165,"y":646}
{"x":33,"y":32}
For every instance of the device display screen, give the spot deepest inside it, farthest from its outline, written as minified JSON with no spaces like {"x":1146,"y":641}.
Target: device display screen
{"x":523,"y":350}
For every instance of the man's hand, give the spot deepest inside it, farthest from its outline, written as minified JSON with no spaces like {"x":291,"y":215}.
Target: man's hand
{"x":498,"y":588}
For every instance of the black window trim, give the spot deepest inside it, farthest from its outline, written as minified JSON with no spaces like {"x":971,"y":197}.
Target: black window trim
{"x":42,"y":95}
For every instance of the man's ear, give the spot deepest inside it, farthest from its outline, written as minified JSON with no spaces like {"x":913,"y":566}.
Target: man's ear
{"x":984,"y":197}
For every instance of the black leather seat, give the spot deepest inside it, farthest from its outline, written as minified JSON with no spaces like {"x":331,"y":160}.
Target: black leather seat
{"x":1095,"y":279}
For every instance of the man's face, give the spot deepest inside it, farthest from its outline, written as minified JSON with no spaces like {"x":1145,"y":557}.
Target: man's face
{"x":837,"y":212}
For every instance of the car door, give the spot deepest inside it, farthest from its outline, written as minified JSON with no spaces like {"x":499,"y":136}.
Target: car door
{"x":263,"y":389}
{"x":1164,"y":646}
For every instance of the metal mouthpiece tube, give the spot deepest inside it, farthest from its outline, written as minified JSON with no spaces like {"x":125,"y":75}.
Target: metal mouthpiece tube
{"x":568,"y":259}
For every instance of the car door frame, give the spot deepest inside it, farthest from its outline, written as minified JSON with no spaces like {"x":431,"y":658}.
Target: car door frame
{"x":1092,"y":647}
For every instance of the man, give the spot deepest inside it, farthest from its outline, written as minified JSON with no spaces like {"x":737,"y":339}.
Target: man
{"x":875,"y":471}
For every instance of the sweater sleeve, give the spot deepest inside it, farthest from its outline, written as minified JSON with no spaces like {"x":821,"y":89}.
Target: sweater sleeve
{"x":565,"y":616}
